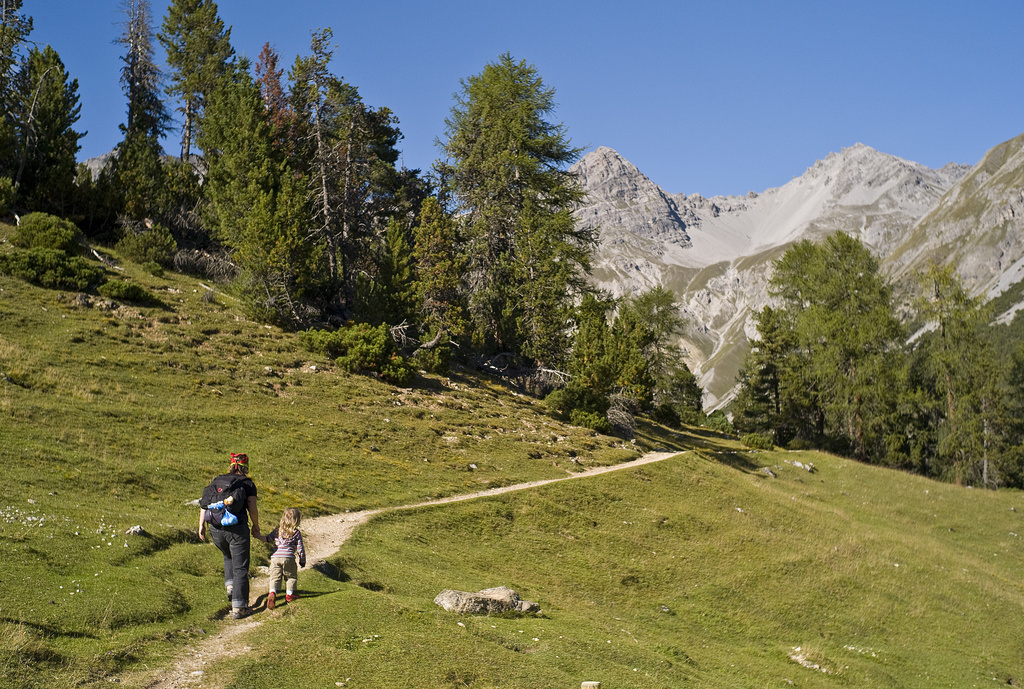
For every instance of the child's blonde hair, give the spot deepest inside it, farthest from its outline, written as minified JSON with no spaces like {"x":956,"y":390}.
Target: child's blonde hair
{"x":289,"y":522}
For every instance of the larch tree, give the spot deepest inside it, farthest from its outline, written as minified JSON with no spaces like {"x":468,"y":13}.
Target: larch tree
{"x":846,"y":336}
{"x":506,"y":171}
{"x":199,"y":53}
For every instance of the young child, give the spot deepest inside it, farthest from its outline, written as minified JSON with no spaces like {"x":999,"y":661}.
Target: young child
{"x":288,"y":541}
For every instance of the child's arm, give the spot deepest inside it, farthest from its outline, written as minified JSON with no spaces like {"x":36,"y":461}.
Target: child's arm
{"x":300,"y":549}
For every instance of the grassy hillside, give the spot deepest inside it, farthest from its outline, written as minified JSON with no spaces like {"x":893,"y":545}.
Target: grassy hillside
{"x":699,"y":571}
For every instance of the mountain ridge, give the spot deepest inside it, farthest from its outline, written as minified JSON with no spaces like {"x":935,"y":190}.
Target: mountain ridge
{"x":716,"y":252}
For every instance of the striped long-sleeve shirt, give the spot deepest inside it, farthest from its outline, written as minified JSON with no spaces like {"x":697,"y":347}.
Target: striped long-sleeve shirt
{"x":289,"y":547}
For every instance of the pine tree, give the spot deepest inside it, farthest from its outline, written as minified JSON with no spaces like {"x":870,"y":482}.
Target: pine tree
{"x":257,"y":207}
{"x":632,"y":339}
{"x":387,"y":289}
{"x":137,"y":172}
{"x":593,"y":362}
{"x":506,"y":172}
{"x":199,"y":53}
{"x":15,"y":26}
{"x":1013,"y":458}
{"x":14,"y":30}
{"x":279,"y":110}
{"x":46,"y":144}
{"x":440,"y":267}
{"x":959,"y":364}
{"x":346,"y":153}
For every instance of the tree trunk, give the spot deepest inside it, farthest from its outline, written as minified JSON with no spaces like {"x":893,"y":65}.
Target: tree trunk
{"x":186,"y":135}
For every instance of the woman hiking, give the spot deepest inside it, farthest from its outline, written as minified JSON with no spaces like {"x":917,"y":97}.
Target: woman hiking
{"x":233,"y":540}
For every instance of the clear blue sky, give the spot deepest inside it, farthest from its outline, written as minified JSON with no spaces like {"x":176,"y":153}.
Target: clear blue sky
{"x":715,"y":97}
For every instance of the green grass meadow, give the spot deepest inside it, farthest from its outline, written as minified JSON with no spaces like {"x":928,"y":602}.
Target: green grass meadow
{"x":691,"y":572}
{"x":698,"y":571}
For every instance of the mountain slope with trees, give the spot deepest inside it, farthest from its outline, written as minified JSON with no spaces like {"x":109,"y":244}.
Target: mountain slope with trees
{"x":716,"y":253}
{"x":114,"y":415}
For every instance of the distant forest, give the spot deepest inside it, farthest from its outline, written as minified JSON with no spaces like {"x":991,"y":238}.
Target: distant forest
{"x":285,"y":189}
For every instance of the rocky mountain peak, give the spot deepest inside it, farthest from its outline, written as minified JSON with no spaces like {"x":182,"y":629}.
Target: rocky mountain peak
{"x":620,"y":197}
{"x":605,"y":174}
{"x":716,"y":253}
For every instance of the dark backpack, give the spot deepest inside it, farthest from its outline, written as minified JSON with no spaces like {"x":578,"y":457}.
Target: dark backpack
{"x":220,"y":488}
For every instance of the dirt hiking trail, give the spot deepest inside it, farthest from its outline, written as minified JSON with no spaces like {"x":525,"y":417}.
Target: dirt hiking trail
{"x":322,"y":536}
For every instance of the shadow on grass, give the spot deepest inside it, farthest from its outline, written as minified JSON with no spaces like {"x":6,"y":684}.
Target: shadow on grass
{"x":331,"y":571}
{"x":736,"y":460}
{"x":48,"y":631}
{"x":260,"y":605}
{"x":706,"y":436}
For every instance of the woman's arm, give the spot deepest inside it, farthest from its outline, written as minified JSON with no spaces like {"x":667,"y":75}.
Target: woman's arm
{"x":202,"y":525}
{"x":254,"y":514}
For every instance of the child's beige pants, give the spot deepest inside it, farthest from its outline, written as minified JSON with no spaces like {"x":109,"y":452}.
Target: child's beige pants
{"x":284,"y":567}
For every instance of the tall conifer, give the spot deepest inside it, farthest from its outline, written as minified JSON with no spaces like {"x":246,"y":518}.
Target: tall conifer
{"x":47,"y":109}
{"x":198,"y":53}
{"x":137,"y":172}
{"x":506,"y":171}
{"x":14,"y":30}
{"x":346,"y":153}
{"x":959,"y":364}
{"x":257,"y":207}
{"x":440,"y":267}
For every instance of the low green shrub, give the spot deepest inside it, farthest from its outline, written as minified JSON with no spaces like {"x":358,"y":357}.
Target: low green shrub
{"x":691,"y":416}
{"x":125,"y":290}
{"x":558,"y":402}
{"x":396,"y":370}
{"x":153,"y":268}
{"x":361,"y":348}
{"x":718,"y":421}
{"x":591,"y":420}
{"x":437,"y":360}
{"x":45,"y":231}
{"x":758,"y":441}
{"x":52,"y":269}
{"x":576,"y":397}
{"x":151,"y":245}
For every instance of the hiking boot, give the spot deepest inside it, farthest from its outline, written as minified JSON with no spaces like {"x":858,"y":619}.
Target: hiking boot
{"x":291,"y":597}
{"x":229,"y":594}
{"x":271,"y":600}
{"x":240,"y":613}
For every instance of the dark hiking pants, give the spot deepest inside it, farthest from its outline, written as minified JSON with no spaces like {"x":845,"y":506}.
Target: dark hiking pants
{"x":233,"y":542}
